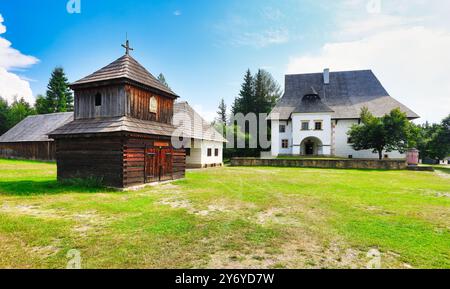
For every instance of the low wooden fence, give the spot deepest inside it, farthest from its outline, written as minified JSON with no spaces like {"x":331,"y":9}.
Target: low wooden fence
{"x":323,"y":163}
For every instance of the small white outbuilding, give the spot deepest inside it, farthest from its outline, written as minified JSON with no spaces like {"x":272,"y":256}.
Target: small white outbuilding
{"x":205,"y":148}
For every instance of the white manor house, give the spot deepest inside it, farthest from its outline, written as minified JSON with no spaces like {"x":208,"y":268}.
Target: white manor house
{"x":317,"y":110}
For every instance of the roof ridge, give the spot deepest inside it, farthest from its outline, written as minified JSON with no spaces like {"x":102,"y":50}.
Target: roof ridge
{"x":125,"y":67}
{"x":331,"y":72}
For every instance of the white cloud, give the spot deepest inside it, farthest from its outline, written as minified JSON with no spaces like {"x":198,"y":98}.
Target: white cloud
{"x":412,"y":63}
{"x":404,"y":45}
{"x":240,"y":31}
{"x":373,"y":24}
{"x":271,"y":13}
{"x":208,"y":115}
{"x":261,"y":39}
{"x":177,"y":13}
{"x":11,"y":85}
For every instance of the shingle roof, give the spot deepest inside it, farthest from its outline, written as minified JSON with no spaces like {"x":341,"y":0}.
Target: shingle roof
{"x":36,"y":127}
{"x":126,"y":67}
{"x":346,"y":94}
{"x":311,"y":103}
{"x":114,"y":124}
{"x":194,"y":126}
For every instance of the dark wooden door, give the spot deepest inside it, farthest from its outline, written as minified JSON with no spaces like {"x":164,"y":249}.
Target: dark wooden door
{"x":158,"y":164}
{"x":151,"y":165}
{"x":166,"y":167}
{"x":309,"y":148}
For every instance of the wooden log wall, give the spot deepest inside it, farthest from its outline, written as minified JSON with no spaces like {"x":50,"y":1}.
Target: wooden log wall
{"x":134,"y":160}
{"x":179,"y":164}
{"x":44,"y":151}
{"x":113,"y":102}
{"x":118,"y":161}
{"x":94,"y":157}
{"x":139,"y":105}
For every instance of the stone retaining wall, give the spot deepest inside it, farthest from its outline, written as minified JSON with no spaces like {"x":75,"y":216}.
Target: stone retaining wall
{"x":323,"y":163}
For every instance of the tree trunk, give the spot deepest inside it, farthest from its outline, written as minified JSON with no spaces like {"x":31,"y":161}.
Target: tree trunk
{"x":380,"y":154}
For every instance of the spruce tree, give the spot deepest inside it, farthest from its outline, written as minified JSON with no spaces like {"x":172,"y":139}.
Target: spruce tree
{"x":222,"y":112}
{"x":59,"y":97}
{"x":244,"y":102}
{"x":162,"y":79}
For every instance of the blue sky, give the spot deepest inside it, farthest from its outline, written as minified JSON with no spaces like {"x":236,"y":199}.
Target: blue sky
{"x":204,"y":47}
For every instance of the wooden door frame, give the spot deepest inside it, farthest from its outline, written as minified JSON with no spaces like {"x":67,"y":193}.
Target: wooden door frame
{"x":157,"y":159}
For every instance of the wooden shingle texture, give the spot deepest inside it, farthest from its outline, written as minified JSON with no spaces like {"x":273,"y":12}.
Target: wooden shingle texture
{"x":36,"y":128}
{"x":115,"y":124}
{"x":345,"y":95}
{"x":192,"y":125}
{"x":126,"y":67}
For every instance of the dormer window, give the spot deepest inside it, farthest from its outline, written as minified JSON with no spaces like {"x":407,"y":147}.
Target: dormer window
{"x":98,"y":99}
{"x":153,"y":106}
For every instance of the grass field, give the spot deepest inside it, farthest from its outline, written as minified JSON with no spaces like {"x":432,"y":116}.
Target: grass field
{"x":227,"y":218}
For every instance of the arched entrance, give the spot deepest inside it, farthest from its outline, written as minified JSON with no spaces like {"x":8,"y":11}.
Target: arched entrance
{"x":311,"y":146}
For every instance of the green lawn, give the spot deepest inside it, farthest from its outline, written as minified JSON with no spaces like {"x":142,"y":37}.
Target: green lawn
{"x":227,"y":218}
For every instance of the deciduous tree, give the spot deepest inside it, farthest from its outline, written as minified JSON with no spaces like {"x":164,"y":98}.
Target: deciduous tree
{"x":388,"y":133}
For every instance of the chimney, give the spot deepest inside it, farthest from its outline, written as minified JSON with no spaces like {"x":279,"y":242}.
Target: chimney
{"x":326,"y":76}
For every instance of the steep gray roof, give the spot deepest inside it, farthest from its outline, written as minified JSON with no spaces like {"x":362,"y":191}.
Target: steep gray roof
{"x":36,"y":127}
{"x":311,"y":103}
{"x":114,"y":124}
{"x":126,"y":67}
{"x":193,"y":125}
{"x":346,"y":94}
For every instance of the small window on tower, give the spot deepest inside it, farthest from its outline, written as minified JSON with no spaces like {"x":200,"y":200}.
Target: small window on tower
{"x":282,"y":128}
{"x":216,"y":152}
{"x":153,"y":105}
{"x":284,"y":143}
{"x":98,"y":99}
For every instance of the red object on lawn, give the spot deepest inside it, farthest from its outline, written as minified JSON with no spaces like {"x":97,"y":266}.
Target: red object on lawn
{"x":412,"y":157}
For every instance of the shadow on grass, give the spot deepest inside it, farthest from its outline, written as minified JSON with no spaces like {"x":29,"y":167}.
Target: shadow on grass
{"x":27,"y":188}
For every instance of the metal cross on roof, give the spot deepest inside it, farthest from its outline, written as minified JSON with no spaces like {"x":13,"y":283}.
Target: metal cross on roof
{"x":127,"y":47}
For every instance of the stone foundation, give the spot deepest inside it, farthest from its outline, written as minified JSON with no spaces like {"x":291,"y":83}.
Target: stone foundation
{"x":371,"y":164}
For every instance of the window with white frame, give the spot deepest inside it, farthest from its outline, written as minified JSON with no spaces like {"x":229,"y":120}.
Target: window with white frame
{"x":318,"y":125}
{"x":305,"y":125}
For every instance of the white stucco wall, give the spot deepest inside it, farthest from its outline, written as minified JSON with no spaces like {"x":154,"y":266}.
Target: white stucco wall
{"x":344,"y":149}
{"x":195,"y":158}
{"x":334,"y":142}
{"x":275,"y":138}
{"x":199,"y":153}
{"x":278,"y":137}
{"x":212,"y":159}
{"x":300,"y":135}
